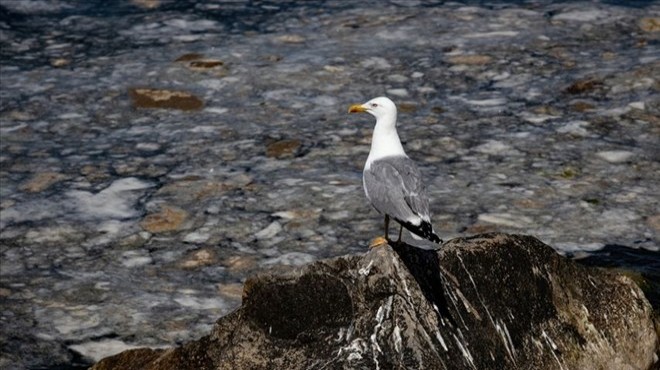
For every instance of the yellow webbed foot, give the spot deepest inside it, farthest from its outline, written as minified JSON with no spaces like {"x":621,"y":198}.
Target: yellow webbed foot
{"x":377,"y":242}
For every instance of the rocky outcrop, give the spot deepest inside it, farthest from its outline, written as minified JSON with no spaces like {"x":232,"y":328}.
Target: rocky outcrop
{"x":492,"y":301}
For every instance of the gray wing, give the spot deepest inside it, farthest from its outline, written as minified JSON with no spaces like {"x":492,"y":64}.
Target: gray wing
{"x":394,"y":187}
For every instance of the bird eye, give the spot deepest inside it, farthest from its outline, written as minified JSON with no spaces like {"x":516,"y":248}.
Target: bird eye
{"x":374,"y":105}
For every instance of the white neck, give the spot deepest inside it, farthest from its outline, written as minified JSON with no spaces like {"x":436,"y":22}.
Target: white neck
{"x":385,"y":141}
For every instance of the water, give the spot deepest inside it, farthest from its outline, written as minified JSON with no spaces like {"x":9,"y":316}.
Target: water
{"x":123,"y":226}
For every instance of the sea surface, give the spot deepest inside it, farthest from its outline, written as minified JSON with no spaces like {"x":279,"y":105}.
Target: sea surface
{"x":153,"y":154}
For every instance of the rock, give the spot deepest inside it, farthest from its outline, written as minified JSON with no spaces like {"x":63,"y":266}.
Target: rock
{"x":471,"y":60}
{"x":199,"y":258}
{"x":208,"y":65}
{"x":240,"y":264}
{"x":269,"y":231}
{"x":169,"y":99}
{"x":188,"y":57}
{"x":41,"y":182}
{"x":60,"y":62}
{"x":290,"y":39}
{"x":168,"y":219}
{"x":581,"y":106}
{"x":654,"y":222}
{"x":583,"y":86}
{"x":650,"y":24}
{"x":491,"y":301}
{"x":146,"y":4}
{"x":131,"y":359}
{"x":287,"y":148}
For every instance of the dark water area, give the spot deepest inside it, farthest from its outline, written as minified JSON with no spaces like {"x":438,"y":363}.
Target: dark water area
{"x":125,"y":225}
{"x":103,"y":19}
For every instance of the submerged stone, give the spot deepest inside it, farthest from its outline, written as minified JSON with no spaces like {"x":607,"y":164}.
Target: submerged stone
{"x":168,"y":219}
{"x":168,"y":99}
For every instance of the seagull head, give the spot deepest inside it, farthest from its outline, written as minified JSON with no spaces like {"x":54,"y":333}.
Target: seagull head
{"x":380,"y":107}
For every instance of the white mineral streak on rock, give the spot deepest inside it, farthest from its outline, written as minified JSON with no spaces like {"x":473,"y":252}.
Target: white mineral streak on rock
{"x":440,"y":339}
{"x":354,"y":350}
{"x":466,"y":303}
{"x":398,"y":345}
{"x":452,"y":297}
{"x":340,"y":335}
{"x":382,"y":313}
{"x":465,"y":351}
{"x":403,"y":281}
{"x":503,"y":331}
{"x":553,"y":348}
{"x":366,"y":270}
{"x":476,"y":291}
{"x":500,"y":326}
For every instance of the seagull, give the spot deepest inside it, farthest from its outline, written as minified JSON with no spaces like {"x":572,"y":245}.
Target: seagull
{"x":392,"y":182}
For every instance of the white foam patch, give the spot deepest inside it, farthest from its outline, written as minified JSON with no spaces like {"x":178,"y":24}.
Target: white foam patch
{"x":112,"y":230}
{"x":200,"y":303}
{"x":98,"y":350}
{"x":69,"y":323}
{"x":269,"y":231}
{"x":495,"y":147}
{"x":479,"y":35}
{"x":135,"y":259}
{"x":290,"y":259}
{"x":116,"y":201}
{"x":582,"y":15}
{"x":36,"y":6}
{"x":616,"y":156}
{"x":577,"y":128}
{"x":571,"y":247}
{"x":507,"y":219}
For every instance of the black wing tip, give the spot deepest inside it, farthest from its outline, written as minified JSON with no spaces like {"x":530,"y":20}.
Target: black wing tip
{"x":435,"y":238}
{"x":424,"y":230}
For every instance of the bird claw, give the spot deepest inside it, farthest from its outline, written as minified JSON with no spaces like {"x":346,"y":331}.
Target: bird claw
{"x":377,"y":242}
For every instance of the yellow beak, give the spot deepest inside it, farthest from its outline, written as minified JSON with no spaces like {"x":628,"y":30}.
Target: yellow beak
{"x":356,"y":108}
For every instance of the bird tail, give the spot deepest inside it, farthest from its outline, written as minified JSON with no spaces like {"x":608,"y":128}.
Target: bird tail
{"x":423,"y":231}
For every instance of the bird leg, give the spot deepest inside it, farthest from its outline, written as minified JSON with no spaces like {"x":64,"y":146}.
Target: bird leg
{"x":387,"y":226}
{"x":377,"y":242}
{"x":400,"y":230}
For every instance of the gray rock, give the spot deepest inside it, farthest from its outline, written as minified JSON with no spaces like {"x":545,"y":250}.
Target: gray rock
{"x":491,"y":301}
